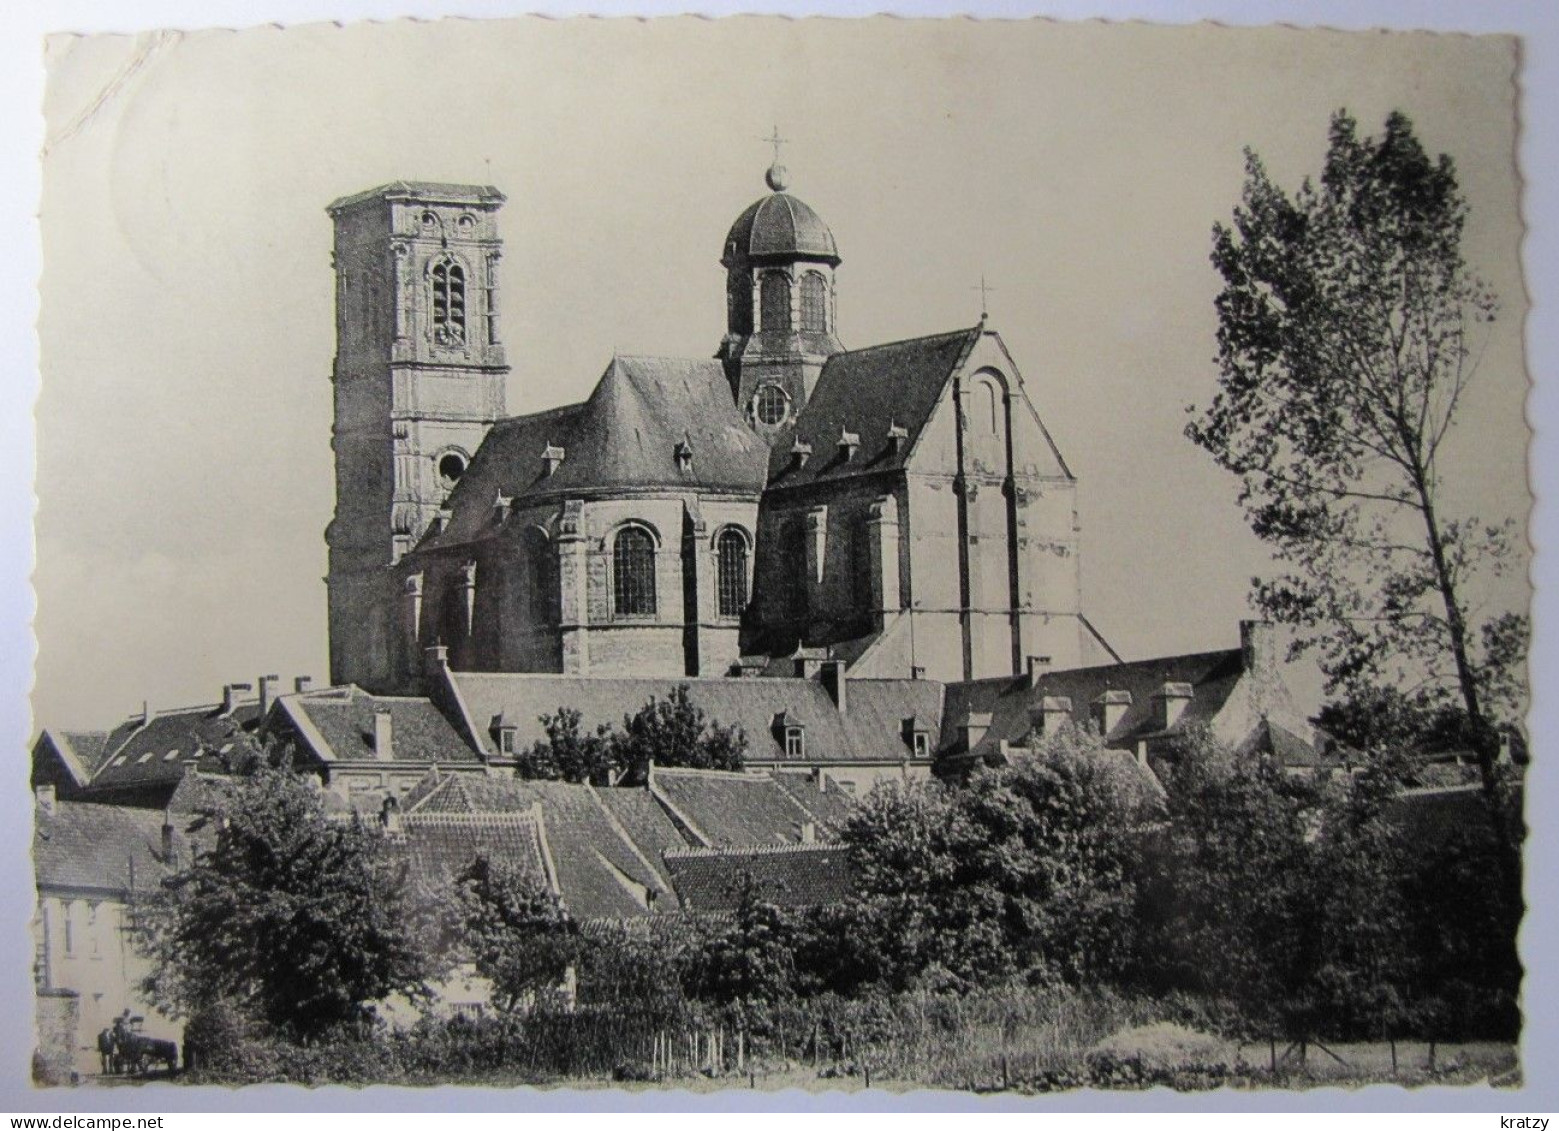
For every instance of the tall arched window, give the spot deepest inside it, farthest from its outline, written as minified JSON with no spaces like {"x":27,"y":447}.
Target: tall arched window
{"x":987,"y":406}
{"x":814,"y":303}
{"x":739,"y":296}
{"x":633,"y":573}
{"x":774,"y":301}
{"x":449,"y":302}
{"x":731,"y":550}
{"x":541,"y":579}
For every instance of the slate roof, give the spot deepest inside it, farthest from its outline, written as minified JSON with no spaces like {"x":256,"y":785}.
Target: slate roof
{"x":1212,"y":676}
{"x":423,"y":190}
{"x":111,"y":849}
{"x":712,"y":880}
{"x":155,"y":753}
{"x":779,"y":226}
{"x":731,"y":809}
{"x":440,"y":846}
{"x":1291,"y":750}
{"x":866,"y":392}
{"x":625,"y":436}
{"x":867,"y":731}
{"x":88,"y":747}
{"x":337,"y":724}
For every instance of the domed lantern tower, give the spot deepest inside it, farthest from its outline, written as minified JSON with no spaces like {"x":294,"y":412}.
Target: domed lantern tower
{"x":780,"y":313}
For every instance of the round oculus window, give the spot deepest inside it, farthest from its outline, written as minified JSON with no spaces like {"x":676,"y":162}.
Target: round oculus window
{"x":451,"y":467}
{"x":770,"y":405}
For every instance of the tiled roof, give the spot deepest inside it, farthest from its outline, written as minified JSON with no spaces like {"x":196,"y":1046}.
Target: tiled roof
{"x":343,"y":719}
{"x":712,"y":880}
{"x":857,"y":735}
{"x":732,"y":809}
{"x":1212,"y":676}
{"x":592,"y":857}
{"x":646,"y":823}
{"x":624,"y":436}
{"x":779,"y":226}
{"x":89,"y":747}
{"x":108,"y":848}
{"x":829,"y":805}
{"x":158,"y":752}
{"x":1289,"y":748}
{"x":440,"y":846}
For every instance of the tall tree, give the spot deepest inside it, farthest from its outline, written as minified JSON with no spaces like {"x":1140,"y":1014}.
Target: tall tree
{"x":297,"y":919}
{"x":1349,"y":330}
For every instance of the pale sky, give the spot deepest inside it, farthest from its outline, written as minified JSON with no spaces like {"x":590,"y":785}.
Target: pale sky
{"x":183,"y":427}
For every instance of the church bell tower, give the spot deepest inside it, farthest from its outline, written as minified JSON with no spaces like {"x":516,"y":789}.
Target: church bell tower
{"x":419,"y":379}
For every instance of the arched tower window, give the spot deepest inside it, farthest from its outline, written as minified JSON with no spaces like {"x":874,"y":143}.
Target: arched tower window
{"x":731,"y":550}
{"x":987,"y":406}
{"x":814,"y":303}
{"x":739,"y":298}
{"x":449,"y":302}
{"x":633,"y":573}
{"x":774,"y":299}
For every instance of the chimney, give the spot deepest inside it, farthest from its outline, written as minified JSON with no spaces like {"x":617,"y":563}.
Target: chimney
{"x":807,"y":666}
{"x":831,"y":675}
{"x":384,"y":736}
{"x":1258,"y":645}
{"x":1049,"y":714}
{"x":303,"y":683}
{"x":1170,"y":703}
{"x":1037,"y":666}
{"x":267,"y":692}
{"x":146,"y":712}
{"x":808,"y":832}
{"x":44,"y":792}
{"x":974,"y":726}
{"x":167,"y":840}
{"x":1109,"y":709}
{"x":390,"y":814}
{"x":436,"y":658}
{"x":230,"y":695}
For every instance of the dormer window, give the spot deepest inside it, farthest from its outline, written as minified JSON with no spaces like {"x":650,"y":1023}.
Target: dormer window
{"x":505,"y":734}
{"x":916,"y":736}
{"x":795,"y":742}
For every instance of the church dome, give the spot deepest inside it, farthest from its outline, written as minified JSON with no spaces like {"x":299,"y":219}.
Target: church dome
{"x":779,"y":227}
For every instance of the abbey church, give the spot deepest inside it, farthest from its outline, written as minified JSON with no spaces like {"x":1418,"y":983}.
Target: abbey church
{"x":900,"y":509}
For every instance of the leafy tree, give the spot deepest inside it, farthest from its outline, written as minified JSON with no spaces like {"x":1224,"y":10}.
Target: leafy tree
{"x":568,"y":753}
{"x":519,"y":936}
{"x":295,"y":919}
{"x":1231,"y":896}
{"x":674,"y":731}
{"x":750,"y":957}
{"x":1349,"y":331}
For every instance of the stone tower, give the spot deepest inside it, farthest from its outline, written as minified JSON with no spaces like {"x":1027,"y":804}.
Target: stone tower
{"x":419,"y":380}
{"x":780,"y":312}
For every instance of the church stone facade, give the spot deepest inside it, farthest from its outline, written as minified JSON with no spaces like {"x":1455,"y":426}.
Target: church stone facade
{"x":900,"y":508}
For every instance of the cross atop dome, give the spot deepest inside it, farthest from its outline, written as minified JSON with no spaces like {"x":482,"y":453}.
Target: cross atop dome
{"x":778,"y":177}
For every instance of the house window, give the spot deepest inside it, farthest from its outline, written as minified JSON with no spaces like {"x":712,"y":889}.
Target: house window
{"x":69,"y":923}
{"x":774,"y":301}
{"x":795,"y":742}
{"x":922,"y":744}
{"x":633,"y":573}
{"x":506,"y":740}
{"x":449,"y":303}
{"x":814,"y":303}
{"x":92,"y":947}
{"x":732,"y":551}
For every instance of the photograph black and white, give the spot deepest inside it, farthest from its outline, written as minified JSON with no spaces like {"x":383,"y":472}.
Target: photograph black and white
{"x":987,"y":556}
